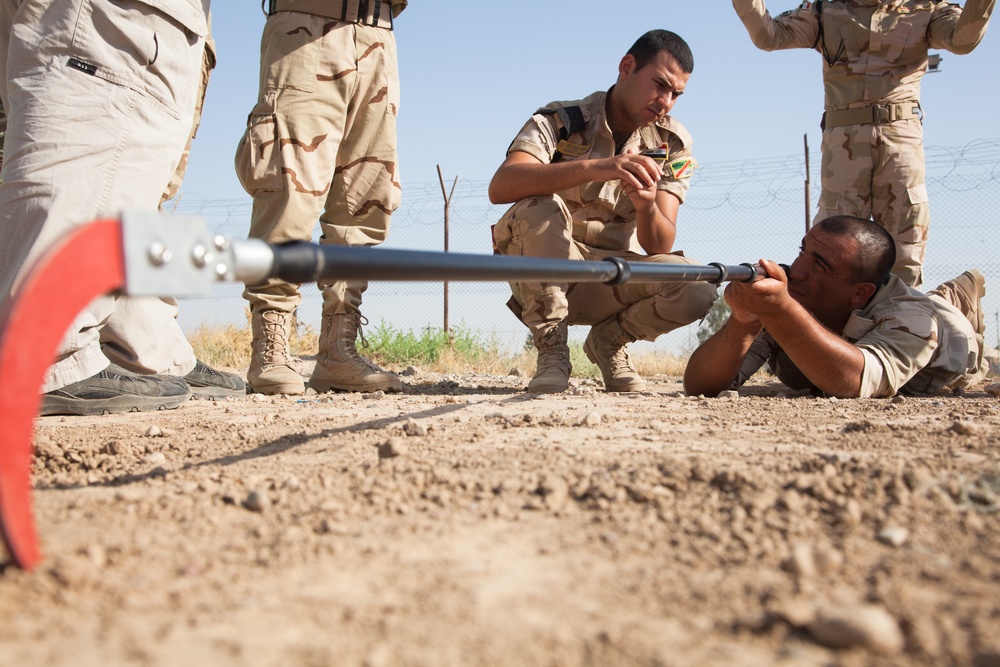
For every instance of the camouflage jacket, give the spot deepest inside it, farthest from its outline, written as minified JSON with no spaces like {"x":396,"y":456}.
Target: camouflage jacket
{"x":603,"y":215}
{"x":912,"y":343}
{"x":876,"y":50}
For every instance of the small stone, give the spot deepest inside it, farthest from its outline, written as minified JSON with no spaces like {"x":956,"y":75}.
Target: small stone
{"x":584,"y":390}
{"x":867,"y":626}
{"x":515,"y":373}
{"x":392,"y":448}
{"x":410,"y":371}
{"x":897,"y":399}
{"x":730,"y":394}
{"x":154,"y":459}
{"x":257,"y":501}
{"x":894,"y":536}
{"x":965,"y":428}
{"x":374,"y":396}
{"x":829,"y":561}
{"x":852,"y":513}
{"x":555,"y":490}
{"x":414,"y":428}
{"x":153,"y":431}
{"x":801,"y":563}
{"x":592,"y":419}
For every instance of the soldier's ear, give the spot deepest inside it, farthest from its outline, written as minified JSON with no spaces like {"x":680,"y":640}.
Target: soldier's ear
{"x":862,"y":294}
{"x":626,"y":67}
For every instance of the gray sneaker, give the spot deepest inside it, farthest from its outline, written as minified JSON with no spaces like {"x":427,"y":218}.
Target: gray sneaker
{"x":116,"y":390}
{"x":209,"y":384}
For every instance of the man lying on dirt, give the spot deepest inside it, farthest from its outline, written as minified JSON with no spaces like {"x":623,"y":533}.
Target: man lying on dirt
{"x":582,"y":190}
{"x":840,"y":324}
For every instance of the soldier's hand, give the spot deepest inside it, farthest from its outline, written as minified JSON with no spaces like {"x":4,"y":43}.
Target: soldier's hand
{"x":636,"y":172}
{"x":765,"y":296}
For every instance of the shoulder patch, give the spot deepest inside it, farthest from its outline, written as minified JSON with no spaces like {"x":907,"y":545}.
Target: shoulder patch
{"x":681,"y":169}
{"x":804,"y":5}
{"x":572,"y":150}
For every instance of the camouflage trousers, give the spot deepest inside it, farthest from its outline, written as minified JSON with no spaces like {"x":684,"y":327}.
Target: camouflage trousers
{"x":877,"y":172}
{"x":542,"y":227}
{"x":321,"y":144}
{"x":85,"y":141}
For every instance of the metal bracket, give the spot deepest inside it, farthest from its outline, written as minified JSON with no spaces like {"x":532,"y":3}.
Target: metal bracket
{"x":179,"y":256}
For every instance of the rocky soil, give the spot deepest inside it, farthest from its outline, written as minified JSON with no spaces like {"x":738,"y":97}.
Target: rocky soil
{"x":467,"y":523}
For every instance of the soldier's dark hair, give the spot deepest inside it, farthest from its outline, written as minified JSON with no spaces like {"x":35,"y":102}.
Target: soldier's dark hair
{"x":653,"y":42}
{"x":876,"y":248}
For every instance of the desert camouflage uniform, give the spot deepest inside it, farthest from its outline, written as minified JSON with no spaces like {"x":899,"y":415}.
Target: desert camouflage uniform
{"x":321,"y":141}
{"x":876,"y":52}
{"x":913,"y":344}
{"x":594,"y":221}
{"x":131,"y":99}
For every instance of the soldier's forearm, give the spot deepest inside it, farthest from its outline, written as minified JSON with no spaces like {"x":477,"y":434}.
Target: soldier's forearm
{"x":965,"y":34}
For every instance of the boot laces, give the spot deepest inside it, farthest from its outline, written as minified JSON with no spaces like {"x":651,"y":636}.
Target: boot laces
{"x":357,"y":322}
{"x":275,"y":339}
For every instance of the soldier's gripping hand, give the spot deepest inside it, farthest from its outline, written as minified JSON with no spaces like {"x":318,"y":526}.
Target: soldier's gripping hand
{"x":762,"y":298}
{"x":637,"y":173}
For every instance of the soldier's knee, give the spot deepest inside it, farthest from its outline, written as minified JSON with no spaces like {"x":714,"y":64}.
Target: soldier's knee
{"x":693,"y":301}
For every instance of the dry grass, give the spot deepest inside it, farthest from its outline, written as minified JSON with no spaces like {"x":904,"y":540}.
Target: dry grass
{"x":228,"y":346}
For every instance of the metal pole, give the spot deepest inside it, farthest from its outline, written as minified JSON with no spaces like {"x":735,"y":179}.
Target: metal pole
{"x":447,"y":208}
{"x":303,"y":262}
{"x":805,"y":139}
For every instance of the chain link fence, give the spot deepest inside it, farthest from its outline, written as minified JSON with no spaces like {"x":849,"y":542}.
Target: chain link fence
{"x":737,"y":211}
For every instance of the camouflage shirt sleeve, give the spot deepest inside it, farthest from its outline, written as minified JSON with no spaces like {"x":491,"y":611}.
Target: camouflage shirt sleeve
{"x":959,"y":29}
{"x":897,"y":344}
{"x":793,"y":29}
{"x":538,"y":137}
{"x":680,"y":163}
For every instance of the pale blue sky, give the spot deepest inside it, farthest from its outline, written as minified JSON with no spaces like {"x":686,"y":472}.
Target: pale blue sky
{"x":472,"y":72}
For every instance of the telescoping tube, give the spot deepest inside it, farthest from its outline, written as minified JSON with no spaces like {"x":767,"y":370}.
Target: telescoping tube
{"x":302,"y":262}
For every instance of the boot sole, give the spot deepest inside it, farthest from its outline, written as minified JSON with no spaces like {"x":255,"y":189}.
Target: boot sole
{"x":274,"y":389}
{"x":323,"y":386}
{"x":88,"y":407}
{"x":215,"y":393}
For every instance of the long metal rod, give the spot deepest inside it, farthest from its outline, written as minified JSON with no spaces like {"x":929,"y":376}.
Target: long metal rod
{"x":301,"y":262}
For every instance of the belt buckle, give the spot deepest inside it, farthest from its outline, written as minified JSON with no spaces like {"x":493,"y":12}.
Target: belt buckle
{"x":881,"y":113}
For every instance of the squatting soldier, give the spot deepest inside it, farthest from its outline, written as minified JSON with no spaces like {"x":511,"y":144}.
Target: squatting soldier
{"x":840,"y":323}
{"x":321,"y":144}
{"x":583,"y":190}
{"x":876,"y":54}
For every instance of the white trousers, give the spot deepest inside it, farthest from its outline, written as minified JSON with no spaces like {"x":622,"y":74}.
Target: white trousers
{"x":100,"y":98}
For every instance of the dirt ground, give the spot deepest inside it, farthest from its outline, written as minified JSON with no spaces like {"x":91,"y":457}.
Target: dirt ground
{"x":467,"y":523}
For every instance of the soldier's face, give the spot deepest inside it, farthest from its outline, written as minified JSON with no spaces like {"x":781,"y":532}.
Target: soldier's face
{"x":822,"y":279}
{"x":648,"y":94}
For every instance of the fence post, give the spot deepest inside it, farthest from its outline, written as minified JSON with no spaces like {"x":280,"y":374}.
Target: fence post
{"x":447,"y":207}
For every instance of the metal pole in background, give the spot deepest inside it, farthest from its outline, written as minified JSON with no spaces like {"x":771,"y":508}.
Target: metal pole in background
{"x":447,"y":207}
{"x":805,"y":139}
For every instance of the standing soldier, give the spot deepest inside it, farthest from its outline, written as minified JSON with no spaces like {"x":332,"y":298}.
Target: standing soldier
{"x":100,"y":98}
{"x":876,"y":54}
{"x":321,"y":143}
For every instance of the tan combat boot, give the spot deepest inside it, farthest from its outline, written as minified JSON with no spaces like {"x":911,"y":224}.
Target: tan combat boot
{"x":605,"y":346}
{"x":270,"y":368}
{"x":553,"y":369}
{"x":340,"y":367}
